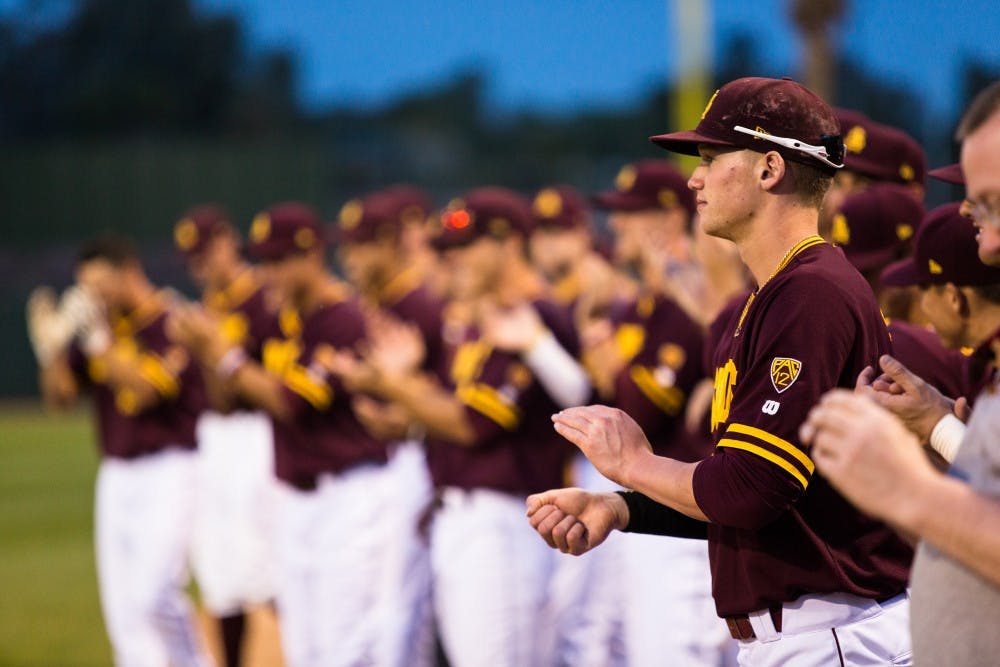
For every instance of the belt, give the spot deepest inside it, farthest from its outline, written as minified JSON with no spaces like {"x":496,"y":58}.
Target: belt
{"x":740,"y":628}
{"x":305,"y":483}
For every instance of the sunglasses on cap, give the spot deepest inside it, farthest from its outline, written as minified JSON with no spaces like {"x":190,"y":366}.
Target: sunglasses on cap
{"x":830,"y":153}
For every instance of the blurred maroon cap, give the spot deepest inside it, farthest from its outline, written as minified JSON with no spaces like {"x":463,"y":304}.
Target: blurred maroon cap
{"x":647,"y":185}
{"x":879,"y":151}
{"x":778,"y":107}
{"x":875,"y":226}
{"x":951,"y":173}
{"x":198,"y":226}
{"x":285,"y":229}
{"x":381,"y":214}
{"x":489,"y":211}
{"x":945,"y":251}
{"x":560,"y":207}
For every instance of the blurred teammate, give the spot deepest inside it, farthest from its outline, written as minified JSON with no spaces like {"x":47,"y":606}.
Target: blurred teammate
{"x":654,"y":361}
{"x":798,"y":574}
{"x":147,"y":395}
{"x":507,"y":366}
{"x":379,"y":260}
{"x":231,"y":555}
{"x":330,"y":542}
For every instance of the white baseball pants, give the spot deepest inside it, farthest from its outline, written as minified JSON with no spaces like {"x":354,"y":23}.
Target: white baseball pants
{"x":143,"y":515}
{"x":491,"y":575}
{"x":331,"y":547}
{"x":232,"y":551}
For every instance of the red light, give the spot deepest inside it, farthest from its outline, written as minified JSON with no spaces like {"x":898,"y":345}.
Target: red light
{"x":458,"y":219}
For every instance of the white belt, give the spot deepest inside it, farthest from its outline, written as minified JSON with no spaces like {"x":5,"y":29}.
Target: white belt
{"x":818,"y":612}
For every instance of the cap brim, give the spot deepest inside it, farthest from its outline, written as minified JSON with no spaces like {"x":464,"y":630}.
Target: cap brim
{"x":951,"y":173}
{"x":902,"y":273}
{"x":686,"y":143}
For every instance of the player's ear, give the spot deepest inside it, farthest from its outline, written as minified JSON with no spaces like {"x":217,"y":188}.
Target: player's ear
{"x":772,"y":170}
{"x":959,"y":300}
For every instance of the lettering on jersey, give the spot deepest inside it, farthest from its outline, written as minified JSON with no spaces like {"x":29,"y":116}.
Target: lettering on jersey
{"x":235,"y":328}
{"x":722,"y":398}
{"x":629,"y":339}
{"x":770,"y":407}
{"x":279,"y":356}
{"x":784,"y":372}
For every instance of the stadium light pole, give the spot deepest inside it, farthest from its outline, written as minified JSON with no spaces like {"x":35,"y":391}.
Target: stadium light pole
{"x":692,"y":61}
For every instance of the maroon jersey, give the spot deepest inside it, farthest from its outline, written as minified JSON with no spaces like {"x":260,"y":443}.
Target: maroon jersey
{"x":246,"y":317}
{"x":663,"y":349}
{"x":125,"y":431}
{"x":322,"y":434}
{"x":921,"y":351}
{"x":777,"y":530}
{"x":516,"y":449}
{"x":980,"y":368}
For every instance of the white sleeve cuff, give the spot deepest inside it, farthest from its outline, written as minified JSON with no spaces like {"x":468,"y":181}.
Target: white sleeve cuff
{"x":947,"y":436}
{"x":559,"y":373}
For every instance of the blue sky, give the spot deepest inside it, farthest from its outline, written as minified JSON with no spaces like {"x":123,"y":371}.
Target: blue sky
{"x":561,"y":54}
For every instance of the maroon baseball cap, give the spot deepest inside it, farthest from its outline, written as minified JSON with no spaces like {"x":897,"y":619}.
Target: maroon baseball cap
{"x":198,"y":226}
{"x":945,"y":251}
{"x":761,"y":115}
{"x":381,"y":214}
{"x":879,"y":151}
{"x":489,"y":211}
{"x":875,"y":226}
{"x":951,"y":173}
{"x":647,"y":185}
{"x":284,"y":229}
{"x":560,"y":207}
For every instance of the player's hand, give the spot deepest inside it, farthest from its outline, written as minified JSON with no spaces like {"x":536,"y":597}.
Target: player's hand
{"x":395,"y":349}
{"x":355,"y":374}
{"x":574,"y":520}
{"x":48,"y":330}
{"x":918,"y":404}
{"x":514,"y":329}
{"x":193,"y":327}
{"x":86,"y":313}
{"x":385,"y":421}
{"x":698,"y":406}
{"x":866,"y":454}
{"x":608,"y":437}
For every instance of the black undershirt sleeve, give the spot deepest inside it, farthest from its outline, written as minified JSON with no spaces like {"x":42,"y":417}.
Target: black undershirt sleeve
{"x":647,"y":516}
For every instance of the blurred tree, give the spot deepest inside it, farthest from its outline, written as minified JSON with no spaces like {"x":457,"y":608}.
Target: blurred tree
{"x":119,"y":68}
{"x":814,"y":20}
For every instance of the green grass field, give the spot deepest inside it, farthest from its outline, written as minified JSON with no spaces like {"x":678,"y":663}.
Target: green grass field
{"x":49,"y":610}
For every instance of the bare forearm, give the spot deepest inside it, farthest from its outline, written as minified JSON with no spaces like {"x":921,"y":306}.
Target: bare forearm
{"x":959,"y":521}
{"x":59,"y":387}
{"x":667,"y":481}
{"x":428,"y":403}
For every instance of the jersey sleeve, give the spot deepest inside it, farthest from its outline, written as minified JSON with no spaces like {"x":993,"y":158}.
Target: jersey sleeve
{"x":798,"y":350}
{"x":493,"y":398}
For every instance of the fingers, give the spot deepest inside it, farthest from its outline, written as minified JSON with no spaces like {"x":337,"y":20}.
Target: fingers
{"x":536,"y":501}
{"x":577,"y":539}
{"x":899,"y":373}
{"x":962,"y":409}
{"x":560,"y":533}
{"x":865,"y":379}
{"x":832,"y":413}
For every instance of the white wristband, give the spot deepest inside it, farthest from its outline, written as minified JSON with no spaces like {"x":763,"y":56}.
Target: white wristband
{"x":947,"y":435}
{"x":230,"y":362}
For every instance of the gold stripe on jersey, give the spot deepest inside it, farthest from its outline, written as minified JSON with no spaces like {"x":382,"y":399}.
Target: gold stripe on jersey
{"x":767,"y":455}
{"x":155,"y":372}
{"x":470,"y":357}
{"x":804,"y":244}
{"x":668,"y":399}
{"x":405,"y":282}
{"x":234,"y":295}
{"x":783,"y":445}
{"x":318,"y":394}
{"x":489,"y":402}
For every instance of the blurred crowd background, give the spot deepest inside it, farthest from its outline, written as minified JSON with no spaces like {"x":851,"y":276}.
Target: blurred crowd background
{"x":120,"y":115}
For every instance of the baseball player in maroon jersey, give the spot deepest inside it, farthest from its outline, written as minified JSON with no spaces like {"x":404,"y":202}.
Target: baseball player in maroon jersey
{"x":800,"y":576}
{"x":332,"y":472}
{"x":506,"y":366}
{"x":147,"y":395}
{"x":959,"y":297}
{"x":373,"y":249}
{"x":874,"y":228}
{"x":231,"y":554}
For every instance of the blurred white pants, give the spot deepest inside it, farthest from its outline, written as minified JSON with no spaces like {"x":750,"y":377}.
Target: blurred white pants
{"x":331,"y":548}
{"x":406,"y":624}
{"x":143,"y":515}
{"x":491,"y":574}
{"x":232,"y":551}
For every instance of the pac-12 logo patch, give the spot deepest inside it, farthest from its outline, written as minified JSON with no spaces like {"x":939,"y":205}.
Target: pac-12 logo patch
{"x":784,"y":372}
